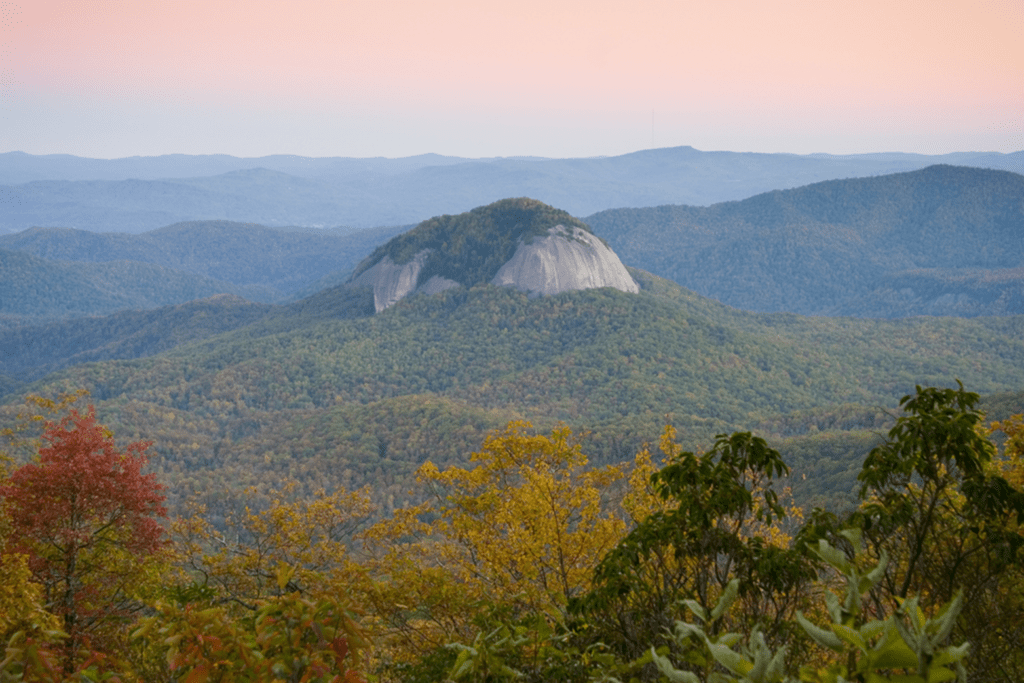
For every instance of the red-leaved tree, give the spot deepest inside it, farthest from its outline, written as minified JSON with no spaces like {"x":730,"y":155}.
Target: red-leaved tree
{"x":87,"y":517}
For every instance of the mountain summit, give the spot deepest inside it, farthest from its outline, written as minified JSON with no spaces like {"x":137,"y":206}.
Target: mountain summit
{"x":521,"y":243}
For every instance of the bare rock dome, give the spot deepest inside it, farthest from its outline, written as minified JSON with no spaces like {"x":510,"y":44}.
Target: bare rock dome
{"x":520,"y":243}
{"x":567,"y":259}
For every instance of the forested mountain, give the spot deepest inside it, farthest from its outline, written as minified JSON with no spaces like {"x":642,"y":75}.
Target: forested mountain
{"x":520,"y":243}
{"x":262,"y":423}
{"x":943,"y":240}
{"x":474,"y":244}
{"x":30,"y":352}
{"x":140,"y":194}
{"x":34,"y":289}
{"x":58,"y":272}
{"x":325,"y":392}
{"x":938,"y":241}
{"x":964,"y":292}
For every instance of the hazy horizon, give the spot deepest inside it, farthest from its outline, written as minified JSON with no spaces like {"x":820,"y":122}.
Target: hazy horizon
{"x":565,"y":79}
{"x":510,"y":156}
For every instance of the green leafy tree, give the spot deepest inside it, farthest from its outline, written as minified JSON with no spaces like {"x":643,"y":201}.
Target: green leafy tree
{"x":934,"y":503}
{"x":905,"y":646}
{"x":711,"y":533}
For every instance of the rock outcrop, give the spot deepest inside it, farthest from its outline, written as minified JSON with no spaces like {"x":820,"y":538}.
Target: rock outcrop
{"x":567,"y":259}
{"x":391,"y":282}
{"x":520,"y":243}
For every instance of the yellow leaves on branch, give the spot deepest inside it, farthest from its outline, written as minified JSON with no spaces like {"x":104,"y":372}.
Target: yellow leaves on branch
{"x":1011,"y":465}
{"x":310,"y":535}
{"x":523,"y":528}
{"x":641,"y":500}
{"x":21,"y":599}
{"x":527,"y":521}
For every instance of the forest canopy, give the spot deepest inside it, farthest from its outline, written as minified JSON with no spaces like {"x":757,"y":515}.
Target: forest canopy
{"x":526,"y":563}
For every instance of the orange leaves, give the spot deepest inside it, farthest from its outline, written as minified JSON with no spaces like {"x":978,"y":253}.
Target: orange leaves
{"x":288,"y":638}
{"x":86,"y":517}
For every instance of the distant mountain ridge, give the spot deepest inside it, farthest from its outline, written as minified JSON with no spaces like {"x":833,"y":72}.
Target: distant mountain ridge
{"x":938,"y":241}
{"x":59,"y":272}
{"x":19,"y":167}
{"x":943,"y":240}
{"x":34,"y":289}
{"x":140,"y":194}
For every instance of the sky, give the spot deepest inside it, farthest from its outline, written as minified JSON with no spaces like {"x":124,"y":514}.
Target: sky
{"x":485,"y":78}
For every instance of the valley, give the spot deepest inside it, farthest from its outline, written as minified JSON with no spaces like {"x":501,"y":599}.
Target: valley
{"x":333,"y":390}
{"x":327,"y":392}
{"x":398,"y":416}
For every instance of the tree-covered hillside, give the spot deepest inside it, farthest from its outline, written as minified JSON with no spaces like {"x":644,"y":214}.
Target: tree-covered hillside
{"x":964,"y":292}
{"x":59,"y":273}
{"x":531,"y":564}
{"x":924,"y":242}
{"x":30,"y":352}
{"x":617,"y":365}
{"x":219,"y":383}
{"x":33,"y":289}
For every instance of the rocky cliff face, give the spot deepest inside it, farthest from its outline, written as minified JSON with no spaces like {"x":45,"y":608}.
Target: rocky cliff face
{"x":567,"y":259}
{"x":391,"y":282}
{"x":519,"y":243}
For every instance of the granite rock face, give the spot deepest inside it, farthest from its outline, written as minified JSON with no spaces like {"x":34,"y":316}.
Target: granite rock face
{"x":391,"y":282}
{"x":567,"y":259}
{"x":562,"y":259}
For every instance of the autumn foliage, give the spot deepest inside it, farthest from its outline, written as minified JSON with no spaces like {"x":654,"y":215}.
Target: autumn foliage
{"x":526,"y":564}
{"x":86,"y":517}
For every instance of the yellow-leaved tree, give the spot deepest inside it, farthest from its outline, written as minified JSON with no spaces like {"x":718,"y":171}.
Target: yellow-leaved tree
{"x":242,"y":562}
{"x":267,"y":597}
{"x":521,"y":532}
{"x":1011,"y":464}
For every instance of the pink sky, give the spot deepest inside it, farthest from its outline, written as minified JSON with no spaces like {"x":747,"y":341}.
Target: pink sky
{"x":492,"y":78}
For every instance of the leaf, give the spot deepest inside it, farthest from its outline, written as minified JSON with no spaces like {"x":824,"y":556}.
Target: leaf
{"x":851,"y":636}
{"x":832,"y":556}
{"x":894,"y":654}
{"x":945,"y":620}
{"x":687,"y":630}
{"x":819,"y":635}
{"x":697,"y":610}
{"x":283,"y":575}
{"x":727,"y":598}
{"x":938,"y":674}
{"x":670,"y":672}
{"x":199,"y":674}
{"x":730,"y":659}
